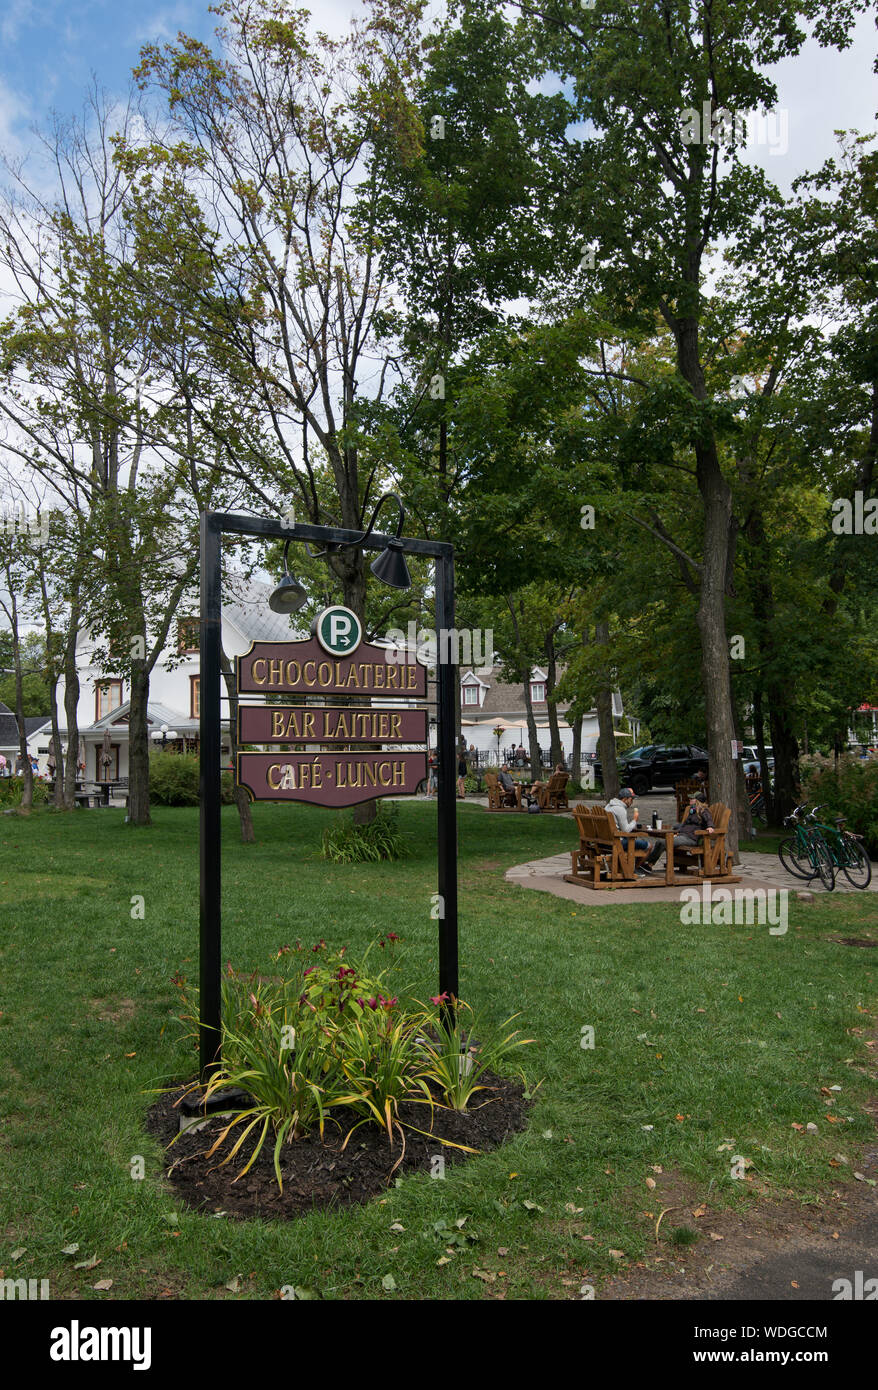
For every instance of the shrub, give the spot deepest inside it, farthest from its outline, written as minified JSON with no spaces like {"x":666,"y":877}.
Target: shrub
{"x":347,"y":843}
{"x":173,"y":780}
{"x":851,"y":792}
{"x":332,"y":1039}
{"x":12,"y":790}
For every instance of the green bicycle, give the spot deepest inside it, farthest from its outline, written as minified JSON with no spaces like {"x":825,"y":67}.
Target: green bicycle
{"x":845,"y":850}
{"x":805,"y":853}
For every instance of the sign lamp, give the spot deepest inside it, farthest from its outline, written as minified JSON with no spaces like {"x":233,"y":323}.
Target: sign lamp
{"x":390,"y":566}
{"x":289,"y":595}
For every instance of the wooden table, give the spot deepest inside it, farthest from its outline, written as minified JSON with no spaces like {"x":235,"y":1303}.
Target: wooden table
{"x":668,"y":832}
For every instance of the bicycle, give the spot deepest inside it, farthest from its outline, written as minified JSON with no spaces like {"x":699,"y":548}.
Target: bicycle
{"x":845,"y":850}
{"x":805,"y":854}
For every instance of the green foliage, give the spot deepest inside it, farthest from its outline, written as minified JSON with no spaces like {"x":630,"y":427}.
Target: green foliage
{"x":347,"y":843}
{"x":173,"y":780}
{"x":329,"y":1039}
{"x":851,"y":792}
{"x":462,"y":1049}
{"x":12,"y":789}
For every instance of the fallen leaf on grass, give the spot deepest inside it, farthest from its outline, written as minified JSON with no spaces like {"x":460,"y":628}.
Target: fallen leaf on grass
{"x":714,"y":1236}
{"x":397,"y":1227}
{"x":656,"y":1167}
{"x":699,"y":1211}
{"x":571,"y":1209}
{"x":388,"y":1283}
{"x":443,"y":1260}
{"x":485,"y":1275}
{"x":102,"y":1285}
{"x":88,"y":1264}
{"x":70,"y":1249}
{"x":504,"y":1249}
{"x":793,"y":1284}
{"x":650,"y":1182}
{"x":617,"y":1254}
{"x":532,"y":1206}
{"x":234,"y":1284}
{"x":17,"y":1254}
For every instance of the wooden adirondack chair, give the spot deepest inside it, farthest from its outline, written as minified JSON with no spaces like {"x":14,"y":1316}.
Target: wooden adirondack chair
{"x":708,"y":858}
{"x":553,"y":796}
{"x":499,"y":799}
{"x":601,"y":850}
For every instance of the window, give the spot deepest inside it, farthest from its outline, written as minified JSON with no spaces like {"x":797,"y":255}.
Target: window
{"x":470,"y":694}
{"x":188,"y":634}
{"x":538,"y":692}
{"x":195,"y":697}
{"x":108,"y":696}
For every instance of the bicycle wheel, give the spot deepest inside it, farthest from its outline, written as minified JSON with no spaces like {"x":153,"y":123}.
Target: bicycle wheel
{"x":794,"y":858}
{"x":825,"y":869}
{"x":857,"y":868}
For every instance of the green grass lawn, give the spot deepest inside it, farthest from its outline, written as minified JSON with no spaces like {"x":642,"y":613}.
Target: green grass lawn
{"x":708,"y":1034}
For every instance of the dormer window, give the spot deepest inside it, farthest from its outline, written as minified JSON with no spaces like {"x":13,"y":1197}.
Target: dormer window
{"x":188,"y":634}
{"x":470,"y":694}
{"x":538,"y":692}
{"x":108,"y":696}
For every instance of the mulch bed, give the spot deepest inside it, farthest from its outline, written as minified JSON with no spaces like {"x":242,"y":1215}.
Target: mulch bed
{"x":319,"y":1173}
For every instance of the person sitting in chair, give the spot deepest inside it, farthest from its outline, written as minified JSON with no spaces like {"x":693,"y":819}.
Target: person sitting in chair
{"x":622,"y":807}
{"x":697,"y":817}
{"x":507,"y":786}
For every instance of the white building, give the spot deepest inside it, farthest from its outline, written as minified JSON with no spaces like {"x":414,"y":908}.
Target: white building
{"x":174,"y":690}
{"x":487,"y":703}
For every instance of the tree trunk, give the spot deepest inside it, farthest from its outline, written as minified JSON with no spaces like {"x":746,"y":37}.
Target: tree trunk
{"x":138,"y":747}
{"x":27,"y":794}
{"x":556,"y":751}
{"x":604,"y":706}
{"x":242,"y":800}
{"x":71,"y":706}
{"x":536,"y":761}
{"x":745,"y":819}
{"x":574,"y":719}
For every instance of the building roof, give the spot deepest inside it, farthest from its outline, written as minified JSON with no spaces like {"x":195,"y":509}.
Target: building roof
{"x":246,"y":606}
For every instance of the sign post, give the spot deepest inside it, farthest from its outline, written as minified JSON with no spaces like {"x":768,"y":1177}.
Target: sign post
{"x":335,"y":661}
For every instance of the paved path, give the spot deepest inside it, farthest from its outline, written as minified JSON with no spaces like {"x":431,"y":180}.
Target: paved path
{"x":755,"y":871}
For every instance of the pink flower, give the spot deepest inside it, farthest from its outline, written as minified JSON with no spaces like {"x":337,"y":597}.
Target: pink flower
{"x":439,"y":998}
{"x":309,"y":971}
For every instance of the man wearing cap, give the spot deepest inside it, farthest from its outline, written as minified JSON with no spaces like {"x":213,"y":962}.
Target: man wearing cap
{"x":620,"y":808}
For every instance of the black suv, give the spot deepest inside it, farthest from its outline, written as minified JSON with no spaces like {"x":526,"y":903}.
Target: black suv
{"x":658,"y":765}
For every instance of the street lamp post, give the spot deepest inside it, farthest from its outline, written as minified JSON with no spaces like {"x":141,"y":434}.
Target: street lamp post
{"x":164,"y":734}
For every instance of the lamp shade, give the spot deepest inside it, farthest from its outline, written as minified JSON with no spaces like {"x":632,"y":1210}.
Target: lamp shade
{"x":288,"y":597}
{"x":391,"y":568}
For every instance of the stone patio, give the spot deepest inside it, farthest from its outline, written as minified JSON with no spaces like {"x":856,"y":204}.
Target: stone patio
{"x":755,"y":871}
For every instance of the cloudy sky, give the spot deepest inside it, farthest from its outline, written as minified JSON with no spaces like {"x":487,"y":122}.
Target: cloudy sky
{"x":50,"y":48}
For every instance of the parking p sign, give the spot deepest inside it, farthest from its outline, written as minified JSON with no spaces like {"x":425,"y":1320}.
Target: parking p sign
{"x":338,"y":630}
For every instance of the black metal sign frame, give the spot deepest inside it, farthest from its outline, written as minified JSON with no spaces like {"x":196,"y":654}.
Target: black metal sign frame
{"x":214,"y":525}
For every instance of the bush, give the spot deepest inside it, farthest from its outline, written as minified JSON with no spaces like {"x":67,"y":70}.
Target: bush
{"x":346,"y":843}
{"x":330,"y":1041}
{"x":12,"y":790}
{"x":173,"y":780}
{"x":851,"y":792}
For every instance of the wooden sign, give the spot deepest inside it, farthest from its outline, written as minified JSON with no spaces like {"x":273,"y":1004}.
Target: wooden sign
{"x":330,"y":779}
{"x":301,"y":724}
{"x":306,"y":668}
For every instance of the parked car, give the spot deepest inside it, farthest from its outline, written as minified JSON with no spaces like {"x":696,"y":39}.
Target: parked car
{"x":750,"y":757}
{"x":658,"y":765}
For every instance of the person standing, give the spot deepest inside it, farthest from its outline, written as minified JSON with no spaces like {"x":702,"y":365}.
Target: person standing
{"x":461,"y":775}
